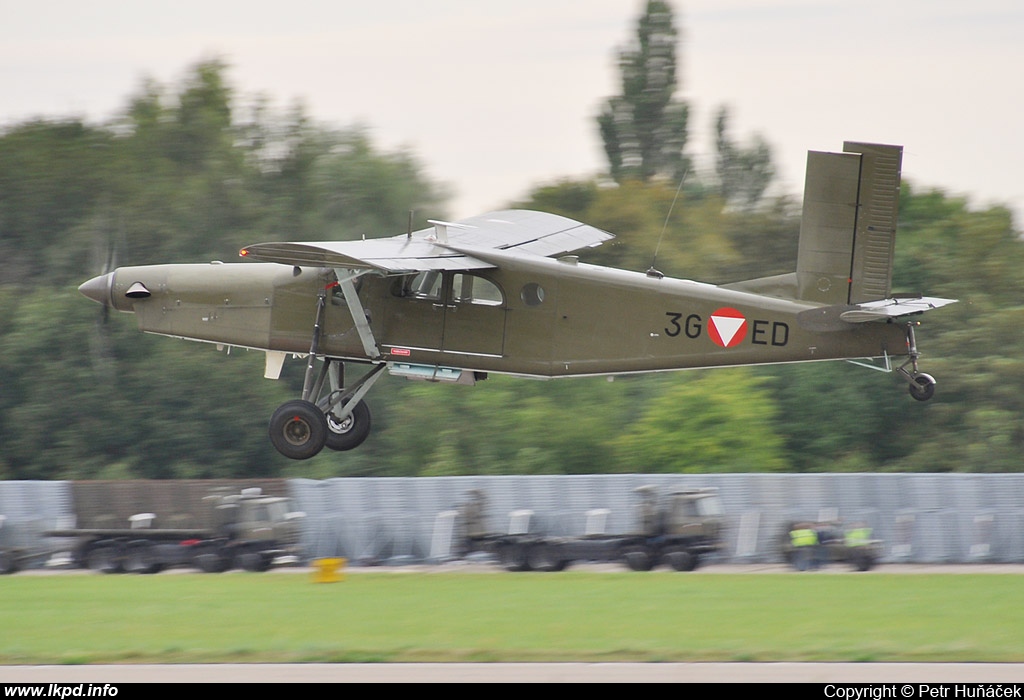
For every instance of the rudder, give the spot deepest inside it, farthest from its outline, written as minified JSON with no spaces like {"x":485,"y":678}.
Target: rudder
{"x":848,"y":227}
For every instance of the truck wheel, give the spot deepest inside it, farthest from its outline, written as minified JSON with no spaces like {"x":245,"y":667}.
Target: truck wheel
{"x":141,"y":559}
{"x":541,"y":557}
{"x":514,"y":557}
{"x":681,"y":560}
{"x":104,"y":559}
{"x":8,"y":563}
{"x":863,"y":561}
{"x":255,"y":561}
{"x":211,"y":563}
{"x":639,"y":560}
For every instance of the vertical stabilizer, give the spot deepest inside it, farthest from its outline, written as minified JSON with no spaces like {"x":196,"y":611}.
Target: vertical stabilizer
{"x":848,"y":228}
{"x":877,"y":213}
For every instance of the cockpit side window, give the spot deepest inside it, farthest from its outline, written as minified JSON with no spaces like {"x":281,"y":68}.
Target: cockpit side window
{"x":425,"y":285}
{"x":473,"y":289}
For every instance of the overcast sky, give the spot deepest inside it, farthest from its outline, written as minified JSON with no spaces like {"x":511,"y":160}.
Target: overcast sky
{"x":497,"y":97}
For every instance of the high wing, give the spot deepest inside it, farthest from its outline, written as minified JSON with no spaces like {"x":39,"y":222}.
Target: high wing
{"x":436,"y":248}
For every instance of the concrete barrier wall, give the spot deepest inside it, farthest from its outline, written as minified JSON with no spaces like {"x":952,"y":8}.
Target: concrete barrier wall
{"x":923,"y":518}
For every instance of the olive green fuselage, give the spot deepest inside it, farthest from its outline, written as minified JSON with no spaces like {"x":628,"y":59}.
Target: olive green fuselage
{"x":532,"y":316}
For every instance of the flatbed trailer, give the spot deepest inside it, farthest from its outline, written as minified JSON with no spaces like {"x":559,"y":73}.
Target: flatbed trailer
{"x":251,"y":531}
{"x":676,"y":530}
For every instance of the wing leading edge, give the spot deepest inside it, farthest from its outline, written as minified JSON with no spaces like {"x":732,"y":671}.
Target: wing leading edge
{"x":529,"y":232}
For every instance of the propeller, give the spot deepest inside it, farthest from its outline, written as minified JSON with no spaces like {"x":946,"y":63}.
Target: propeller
{"x":99,"y":289}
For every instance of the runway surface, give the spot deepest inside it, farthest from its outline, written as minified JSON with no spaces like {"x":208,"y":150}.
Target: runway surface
{"x":521,"y":673}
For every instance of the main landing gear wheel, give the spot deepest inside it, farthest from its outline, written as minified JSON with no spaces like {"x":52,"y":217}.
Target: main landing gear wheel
{"x":923,"y":387}
{"x":298,"y":429}
{"x":352,"y":431}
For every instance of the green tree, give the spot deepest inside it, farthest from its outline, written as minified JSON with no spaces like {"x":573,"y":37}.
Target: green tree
{"x":175,"y":178}
{"x":712,"y":422}
{"x":644,"y":129}
{"x":52,"y":174}
{"x":743,"y":172}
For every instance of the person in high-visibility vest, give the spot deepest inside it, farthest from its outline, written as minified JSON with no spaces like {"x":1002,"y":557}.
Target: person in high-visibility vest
{"x":858,"y":536}
{"x":804,"y":539}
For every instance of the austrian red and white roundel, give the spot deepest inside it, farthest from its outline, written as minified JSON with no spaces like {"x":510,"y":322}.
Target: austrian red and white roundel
{"x":727,"y":328}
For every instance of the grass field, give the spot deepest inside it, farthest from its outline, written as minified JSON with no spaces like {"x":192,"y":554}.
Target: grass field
{"x":571,"y":616}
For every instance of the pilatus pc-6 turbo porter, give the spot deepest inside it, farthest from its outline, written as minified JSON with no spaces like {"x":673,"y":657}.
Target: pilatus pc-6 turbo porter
{"x":502,"y":293}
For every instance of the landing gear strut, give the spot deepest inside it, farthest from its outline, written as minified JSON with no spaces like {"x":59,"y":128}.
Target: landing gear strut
{"x":336,"y":418}
{"x":922,"y":386}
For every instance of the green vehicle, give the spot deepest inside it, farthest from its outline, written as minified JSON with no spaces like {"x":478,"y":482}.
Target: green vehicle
{"x":14,"y":556}
{"x":830,"y":544}
{"x":249,"y":530}
{"x":676,"y":530}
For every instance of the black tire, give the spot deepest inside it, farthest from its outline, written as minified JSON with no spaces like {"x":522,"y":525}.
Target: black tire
{"x":255,"y":561}
{"x":8,"y":563}
{"x":638,"y":559}
{"x":863,"y":561}
{"x":351,"y":432}
{"x":298,"y":429}
{"x":141,"y":559}
{"x":923,"y":387}
{"x":211,"y":563}
{"x":682,"y":560}
{"x":514,"y":557}
{"x":104,"y":559}
{"x":541,"y":557}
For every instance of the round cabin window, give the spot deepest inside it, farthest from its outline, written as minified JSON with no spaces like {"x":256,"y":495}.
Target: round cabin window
{"x":532,"y":294}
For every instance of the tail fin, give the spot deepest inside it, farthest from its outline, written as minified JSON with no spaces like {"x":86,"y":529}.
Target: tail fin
{"x":848,"y":229}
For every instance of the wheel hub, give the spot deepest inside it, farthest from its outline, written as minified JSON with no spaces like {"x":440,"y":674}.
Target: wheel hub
{"x":339,"y":427}
{"x":297,"y":431}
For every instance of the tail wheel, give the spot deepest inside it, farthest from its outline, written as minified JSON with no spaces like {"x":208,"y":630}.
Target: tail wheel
{"x":351,"y":432}
{"x":923,"y":387}
{"x":298,"y":429}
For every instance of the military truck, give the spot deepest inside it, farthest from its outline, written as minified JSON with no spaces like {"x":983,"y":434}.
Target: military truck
{"x":677,"y":529}
{"x":13,"y":554}
{"x":248,"y":530}
{"x":832,"y":544}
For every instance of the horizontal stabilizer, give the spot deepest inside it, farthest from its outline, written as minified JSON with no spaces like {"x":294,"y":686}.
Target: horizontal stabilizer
{"x":839,"y":316}
{"x":884,"y":309}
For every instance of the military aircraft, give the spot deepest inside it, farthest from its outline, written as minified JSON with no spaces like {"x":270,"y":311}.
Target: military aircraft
{"x":502,"y":292}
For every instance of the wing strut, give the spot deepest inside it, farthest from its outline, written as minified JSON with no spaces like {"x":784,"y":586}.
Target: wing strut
{"x":355,"y":307}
